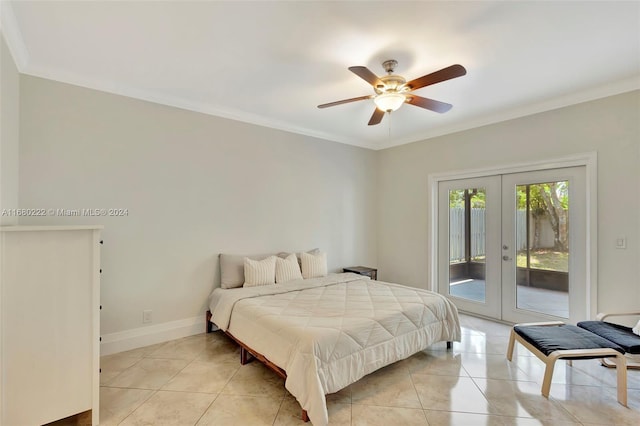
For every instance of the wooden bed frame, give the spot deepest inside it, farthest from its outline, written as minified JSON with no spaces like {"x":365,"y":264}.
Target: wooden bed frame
{"x":247,"y":355}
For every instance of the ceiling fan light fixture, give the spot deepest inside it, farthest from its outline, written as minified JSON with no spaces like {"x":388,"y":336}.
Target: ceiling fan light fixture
{"x":389,"y":101}
{"x":391,"y":91}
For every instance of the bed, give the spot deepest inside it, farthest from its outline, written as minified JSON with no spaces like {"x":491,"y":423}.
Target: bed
{"x":322,"y":334}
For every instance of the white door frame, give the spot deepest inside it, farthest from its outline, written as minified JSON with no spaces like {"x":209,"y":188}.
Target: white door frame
{"x":589,"y":160}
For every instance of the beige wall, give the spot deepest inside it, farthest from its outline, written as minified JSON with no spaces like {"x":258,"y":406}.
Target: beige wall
{"x":9,"y":133}
{"x":194,"y":186}
{"x":609,"y":126}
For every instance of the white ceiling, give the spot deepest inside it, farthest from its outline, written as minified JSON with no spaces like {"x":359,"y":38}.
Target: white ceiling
{"x":272,"y":63}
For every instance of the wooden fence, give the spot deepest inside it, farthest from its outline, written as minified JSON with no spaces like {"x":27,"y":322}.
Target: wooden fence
{"x":478,"y":231}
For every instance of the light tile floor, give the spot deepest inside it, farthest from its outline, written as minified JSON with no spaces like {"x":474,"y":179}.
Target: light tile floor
{"x":198,"y":380}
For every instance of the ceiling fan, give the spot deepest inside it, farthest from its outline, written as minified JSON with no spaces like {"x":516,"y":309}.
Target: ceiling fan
{"x":393,"y":90}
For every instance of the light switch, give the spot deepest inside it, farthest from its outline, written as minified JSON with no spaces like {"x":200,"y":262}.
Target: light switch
{"x":621,"y":243}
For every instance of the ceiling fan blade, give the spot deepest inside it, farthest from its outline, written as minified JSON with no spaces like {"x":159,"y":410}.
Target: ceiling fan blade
{"x":376,"y":118}
{"x":365,"y":74}
{"x":436,"y":77}
{"x":429,"y":104}
{"x":345,"y":101}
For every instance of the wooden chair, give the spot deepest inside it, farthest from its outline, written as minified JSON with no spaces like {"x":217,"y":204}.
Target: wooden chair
{"x":550,"y":341}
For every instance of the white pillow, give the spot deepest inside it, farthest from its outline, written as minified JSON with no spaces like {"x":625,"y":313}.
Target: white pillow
{"x":287,"y":269}
{"x":313,"y":265}
{"x":259,"y":272}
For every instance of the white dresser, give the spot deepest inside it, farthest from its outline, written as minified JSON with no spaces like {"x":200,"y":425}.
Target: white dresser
{"x":49,"y":323}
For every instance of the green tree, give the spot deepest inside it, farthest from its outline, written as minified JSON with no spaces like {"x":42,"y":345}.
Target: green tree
{"x":550,"y":200}
{"x":477,"y":197}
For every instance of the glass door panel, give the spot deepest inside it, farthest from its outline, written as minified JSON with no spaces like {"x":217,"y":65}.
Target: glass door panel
{"x":542,"y":248}
{"x":467,"y":240}
{"x":470,"y":234}
{"x":544,"y":263}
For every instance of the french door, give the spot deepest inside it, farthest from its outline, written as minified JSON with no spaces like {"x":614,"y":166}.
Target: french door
{"x":513,"y":246}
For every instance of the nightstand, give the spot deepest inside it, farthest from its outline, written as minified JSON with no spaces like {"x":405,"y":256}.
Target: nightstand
{"x":362,"y":270}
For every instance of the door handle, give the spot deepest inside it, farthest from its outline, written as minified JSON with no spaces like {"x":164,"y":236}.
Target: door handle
{"x":505,"y":257}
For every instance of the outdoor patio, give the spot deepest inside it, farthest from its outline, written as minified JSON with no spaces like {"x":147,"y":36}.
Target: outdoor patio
{"x":530,"y":298}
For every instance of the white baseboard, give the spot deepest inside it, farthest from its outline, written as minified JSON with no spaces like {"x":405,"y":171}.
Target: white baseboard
{"x":144,"y":336}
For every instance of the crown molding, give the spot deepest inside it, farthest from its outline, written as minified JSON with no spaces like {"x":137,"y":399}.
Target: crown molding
{"x":611,"y":89}
{"x":599,"y":92}
{"x":13,"y":36}
{"x":160,"y":98}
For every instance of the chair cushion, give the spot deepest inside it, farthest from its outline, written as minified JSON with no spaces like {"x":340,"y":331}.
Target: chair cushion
{"x":548,"y":339}
{"x":616,"y":333}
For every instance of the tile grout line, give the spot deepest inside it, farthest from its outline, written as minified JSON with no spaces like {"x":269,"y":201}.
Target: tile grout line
{"x":156,"y":390}
{"x":138,"y":407}
{"x":417,"y":394}
{"x":121,"y":372}
{"x":207,"y":409}
{"x":278,"y":412}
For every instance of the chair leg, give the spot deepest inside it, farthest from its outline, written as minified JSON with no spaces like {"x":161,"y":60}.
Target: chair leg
{"x":621,"y":373}
{"x":512,"y":338}
{"x":548,"y":375}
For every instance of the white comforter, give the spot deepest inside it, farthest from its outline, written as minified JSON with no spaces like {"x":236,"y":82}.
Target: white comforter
{"x":329,"y":332}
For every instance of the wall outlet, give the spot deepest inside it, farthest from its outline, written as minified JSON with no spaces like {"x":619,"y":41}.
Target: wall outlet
{"x":146,"y":317}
